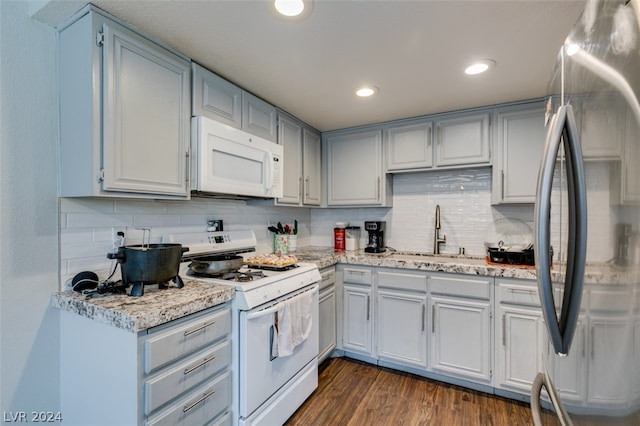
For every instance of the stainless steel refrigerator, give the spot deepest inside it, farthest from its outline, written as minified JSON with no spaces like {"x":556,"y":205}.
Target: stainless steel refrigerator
{"x":588,"y":209}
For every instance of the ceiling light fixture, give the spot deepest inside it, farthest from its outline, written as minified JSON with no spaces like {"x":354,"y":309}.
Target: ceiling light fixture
{"x":479,"y":67}
{"x":366,"y":91}
{"x":289,"y":7}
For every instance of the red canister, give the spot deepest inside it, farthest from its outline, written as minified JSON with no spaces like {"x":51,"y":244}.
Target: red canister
{"x":338,"y":238}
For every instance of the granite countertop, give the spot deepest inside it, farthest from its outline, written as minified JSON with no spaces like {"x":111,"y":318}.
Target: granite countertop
{"x":155,"y":307}
{"x":326,"y":256}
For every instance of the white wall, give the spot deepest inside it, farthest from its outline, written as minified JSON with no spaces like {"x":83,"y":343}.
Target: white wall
{"x":29,"y":348}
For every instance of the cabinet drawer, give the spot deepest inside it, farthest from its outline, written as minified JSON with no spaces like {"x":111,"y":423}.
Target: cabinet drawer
{"x":519,"y":292}
{"x":458,"y":286}
{"x":616,"y":300}
{"x":328,"y":277}
{"x":356,"y":275}
{"x":199,"y":407}
{"x":186,"y":375}
{"x":403,"y":281}
{"x":183,"y":339}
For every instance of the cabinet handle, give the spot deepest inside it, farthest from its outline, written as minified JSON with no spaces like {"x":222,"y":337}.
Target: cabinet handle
{"x":433,"y":318}
{"x":424,"y":309}
{"x":429,"y":137}
{"x":379,"y":198}
{"x":368,"y":307}
{"x":584,"y":342}
{"x":186,"y":168}
{"x":306,"y":188}
{"x":300,"y":189}
{"x":202,"y":327}
{"x":193,"y":404}
{"x":522,"y":290}
{"x":502,"y":185}
{"x":504,"y":331}
{"x":438,"y":134}
{"x":593,"y":336}
{"x":198,"y":365}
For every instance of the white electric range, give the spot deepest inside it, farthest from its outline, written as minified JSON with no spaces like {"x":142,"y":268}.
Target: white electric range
{"x":267,"y":388}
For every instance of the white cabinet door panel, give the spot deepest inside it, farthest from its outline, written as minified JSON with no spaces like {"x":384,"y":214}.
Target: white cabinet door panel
{"x":461,"y":342}
{"x":146,"y":110}
{"x":401,"y":327}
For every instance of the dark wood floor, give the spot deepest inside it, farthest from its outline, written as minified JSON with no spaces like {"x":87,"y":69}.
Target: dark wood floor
{"x":355,"y":393}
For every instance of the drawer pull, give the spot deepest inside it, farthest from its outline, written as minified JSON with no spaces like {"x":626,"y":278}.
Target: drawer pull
{"x":201,"y":327}
{"x":198,"y":365}
{"x":193,"y":404}
{"x":522,"y":290}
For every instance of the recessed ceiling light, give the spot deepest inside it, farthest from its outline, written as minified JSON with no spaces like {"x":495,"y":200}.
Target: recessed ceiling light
{"x":366,"y":91}
{"x":479,"y":67}
{"x":289,"y":7}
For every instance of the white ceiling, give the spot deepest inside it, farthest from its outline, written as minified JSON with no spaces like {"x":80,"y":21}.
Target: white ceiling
{"x":414,"y":51}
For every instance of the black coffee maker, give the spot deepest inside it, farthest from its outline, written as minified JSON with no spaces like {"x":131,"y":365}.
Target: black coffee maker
{"x":375,"y":242}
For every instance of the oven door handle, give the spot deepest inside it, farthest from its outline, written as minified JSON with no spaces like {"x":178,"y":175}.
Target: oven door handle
{"x":274,"y":308}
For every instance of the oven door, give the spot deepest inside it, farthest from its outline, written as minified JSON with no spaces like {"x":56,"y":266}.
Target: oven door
{"x":262,"y":374}
{"x":230,"y":161}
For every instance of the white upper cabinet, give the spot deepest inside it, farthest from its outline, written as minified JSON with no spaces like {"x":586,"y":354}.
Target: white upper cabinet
{"x":216,"y":98}
{"x":410,"y":146}
{"x":452,"y":141}
{"x":355,"y":173}
{"x":602,"y":126}
{"x":463,"y":139}
{"x":312,"y":167}
{"x":223,"y":101}
{"x":302,"y":169}
{"x":518,"y":144}
{"x":124,"y":112}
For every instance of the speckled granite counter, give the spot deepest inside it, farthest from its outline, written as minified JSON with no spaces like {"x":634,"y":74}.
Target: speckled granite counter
{"x":155,"y":307}
{"x":327,"y":256}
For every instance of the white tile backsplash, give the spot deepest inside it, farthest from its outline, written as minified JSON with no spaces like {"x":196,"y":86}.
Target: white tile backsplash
{"x":464,"y":198}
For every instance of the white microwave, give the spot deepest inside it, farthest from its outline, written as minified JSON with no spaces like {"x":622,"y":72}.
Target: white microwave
{"x":230,"y":161}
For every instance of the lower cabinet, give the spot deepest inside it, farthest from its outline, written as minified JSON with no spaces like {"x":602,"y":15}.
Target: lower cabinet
{"x":401,"y":328}
{"x":461,"y":343}
{"x":520,"y":335}
{"x":327,"y":313}
{"x":174,"y":374}
{"x":357,"y":317}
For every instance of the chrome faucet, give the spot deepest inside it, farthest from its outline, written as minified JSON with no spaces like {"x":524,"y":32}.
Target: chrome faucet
{"x":436,"y":233}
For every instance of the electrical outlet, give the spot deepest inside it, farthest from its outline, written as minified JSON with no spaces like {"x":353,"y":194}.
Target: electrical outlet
{"x":117,"y":238}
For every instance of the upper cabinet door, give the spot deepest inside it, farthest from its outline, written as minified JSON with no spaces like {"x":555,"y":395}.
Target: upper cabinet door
{"x":312,"y":167}
{"x":602,"y":124}
{"x":519,"y":142}
{"x":355,"y":173}
{"x":216,"y":98}
{"x":409,"y":146}
{"x":259,"y":117}
{"x":146,"y":126}
{"x":463,"y":139}
{"x":290,"y":137}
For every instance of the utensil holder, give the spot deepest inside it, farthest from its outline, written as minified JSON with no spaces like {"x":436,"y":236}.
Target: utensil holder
{"x":281,"y":244}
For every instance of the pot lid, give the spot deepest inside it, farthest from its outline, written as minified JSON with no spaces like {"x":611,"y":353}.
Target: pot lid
{"x":509,"y":234}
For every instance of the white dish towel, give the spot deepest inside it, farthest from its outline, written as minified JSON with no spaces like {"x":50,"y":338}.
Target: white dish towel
{"x":294,"y":318}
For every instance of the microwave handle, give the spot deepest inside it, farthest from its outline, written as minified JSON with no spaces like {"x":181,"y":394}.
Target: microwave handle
{"x":268,"y":170}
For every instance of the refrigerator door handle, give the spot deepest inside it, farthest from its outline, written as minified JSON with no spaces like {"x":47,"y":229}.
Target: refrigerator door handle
{"x":562,"y":128}
{"x":543,"y":380}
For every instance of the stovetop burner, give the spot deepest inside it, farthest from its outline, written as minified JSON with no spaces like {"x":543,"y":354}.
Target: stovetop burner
{"x":239,"y":276}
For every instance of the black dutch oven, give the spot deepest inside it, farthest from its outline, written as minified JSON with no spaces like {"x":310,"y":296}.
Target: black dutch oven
{"x":146,"y":264}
